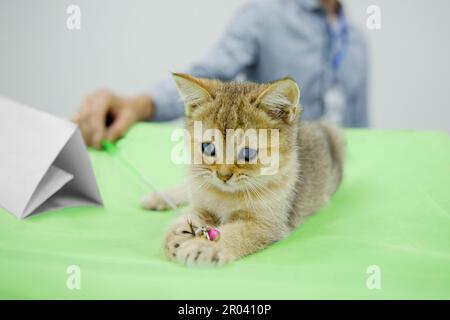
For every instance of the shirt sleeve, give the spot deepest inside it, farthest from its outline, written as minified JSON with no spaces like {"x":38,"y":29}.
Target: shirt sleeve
{"x":235,"y":51}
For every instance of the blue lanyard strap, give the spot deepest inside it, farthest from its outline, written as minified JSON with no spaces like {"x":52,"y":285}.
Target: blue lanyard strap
{"x":338,"y":42}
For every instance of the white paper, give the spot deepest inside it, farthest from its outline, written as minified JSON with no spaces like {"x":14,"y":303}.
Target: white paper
{"x":43,"y":162}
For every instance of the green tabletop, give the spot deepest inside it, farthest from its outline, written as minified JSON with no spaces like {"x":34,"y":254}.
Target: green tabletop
{"x":392,"y":212}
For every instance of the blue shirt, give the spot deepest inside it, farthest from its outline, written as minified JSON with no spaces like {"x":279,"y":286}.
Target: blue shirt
{"x":270,"y":39}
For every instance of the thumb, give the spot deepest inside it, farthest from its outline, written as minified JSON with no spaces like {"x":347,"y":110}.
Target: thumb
{"x":119,"y":127}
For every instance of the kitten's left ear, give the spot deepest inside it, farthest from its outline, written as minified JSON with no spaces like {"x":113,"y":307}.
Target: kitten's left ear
{"x":193,"y":91}
{"x":281,"y":100}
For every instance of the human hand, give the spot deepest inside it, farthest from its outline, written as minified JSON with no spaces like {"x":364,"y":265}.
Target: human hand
{"x":105,"y":115}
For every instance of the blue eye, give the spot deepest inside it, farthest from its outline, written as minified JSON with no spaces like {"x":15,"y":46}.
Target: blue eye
{"x":247,"y":154}
{"x":208,"y":149}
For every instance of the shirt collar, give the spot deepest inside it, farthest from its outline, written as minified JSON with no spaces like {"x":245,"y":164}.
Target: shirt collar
{"x":314,"y":5}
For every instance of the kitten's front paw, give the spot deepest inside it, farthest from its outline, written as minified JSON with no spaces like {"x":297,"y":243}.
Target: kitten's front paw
{"x":154,"y":201}
{"x":182,"y":246}
{"x":176,"y":235}
{"x":198,"y":251}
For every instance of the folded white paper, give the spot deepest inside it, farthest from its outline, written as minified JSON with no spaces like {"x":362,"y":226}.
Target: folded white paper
{"x":44,"y":164}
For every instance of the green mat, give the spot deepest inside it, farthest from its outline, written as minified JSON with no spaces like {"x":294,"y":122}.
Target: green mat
{"x":392,"y":211}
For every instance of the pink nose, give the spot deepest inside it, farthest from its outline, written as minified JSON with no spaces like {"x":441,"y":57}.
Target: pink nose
{"x":224,"y":177}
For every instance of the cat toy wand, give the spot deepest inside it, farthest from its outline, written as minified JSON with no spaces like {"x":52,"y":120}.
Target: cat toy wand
{"x":212,"y":234}
{"x":111,"y":148}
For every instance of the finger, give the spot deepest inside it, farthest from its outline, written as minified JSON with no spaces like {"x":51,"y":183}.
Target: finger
{"x":99,"y":106}
{"x":97,"y":120}
{"x":76,"y":117}
{"x":97,"y":138}
{"x":83,"y":109}
{"x":82,"y":118}
{"x":79,"y":119}
{"x":119,"y":127}
{"x":97,"y":135}
{"x":85,"y":133}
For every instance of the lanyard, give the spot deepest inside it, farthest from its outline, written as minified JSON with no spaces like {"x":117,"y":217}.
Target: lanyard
{"x":337,"y":42}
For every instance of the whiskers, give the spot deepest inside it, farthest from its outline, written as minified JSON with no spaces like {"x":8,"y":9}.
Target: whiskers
{"x":256,"y":193}
{"x":199,"y":177}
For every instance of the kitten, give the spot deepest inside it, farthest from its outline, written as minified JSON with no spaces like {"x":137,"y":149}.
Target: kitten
{"x":250,"y":209}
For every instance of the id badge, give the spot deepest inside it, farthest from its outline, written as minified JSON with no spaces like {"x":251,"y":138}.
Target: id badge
{"x":334,"y":102}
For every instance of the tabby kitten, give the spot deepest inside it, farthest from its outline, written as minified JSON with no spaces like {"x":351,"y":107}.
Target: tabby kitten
{"x":250,"y":209}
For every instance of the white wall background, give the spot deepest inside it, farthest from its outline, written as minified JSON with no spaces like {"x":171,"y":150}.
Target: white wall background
{"x":126,"y":44}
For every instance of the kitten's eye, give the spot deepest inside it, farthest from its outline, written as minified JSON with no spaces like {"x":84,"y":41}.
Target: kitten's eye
{"x":208,"y":149}
{"x":247,"y":154}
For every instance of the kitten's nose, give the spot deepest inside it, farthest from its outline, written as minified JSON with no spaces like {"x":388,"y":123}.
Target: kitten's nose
{"x":224,"y":177}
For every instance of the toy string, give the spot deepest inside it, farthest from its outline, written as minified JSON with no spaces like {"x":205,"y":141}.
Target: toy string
{"x":111,"y":148}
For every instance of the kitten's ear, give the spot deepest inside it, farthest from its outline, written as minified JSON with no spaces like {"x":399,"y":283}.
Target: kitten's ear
{"x":281,"y":100}
{"x":193,"y":91}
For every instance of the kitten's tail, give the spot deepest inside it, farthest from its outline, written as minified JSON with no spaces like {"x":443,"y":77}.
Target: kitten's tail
{"x":336,"y":143}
